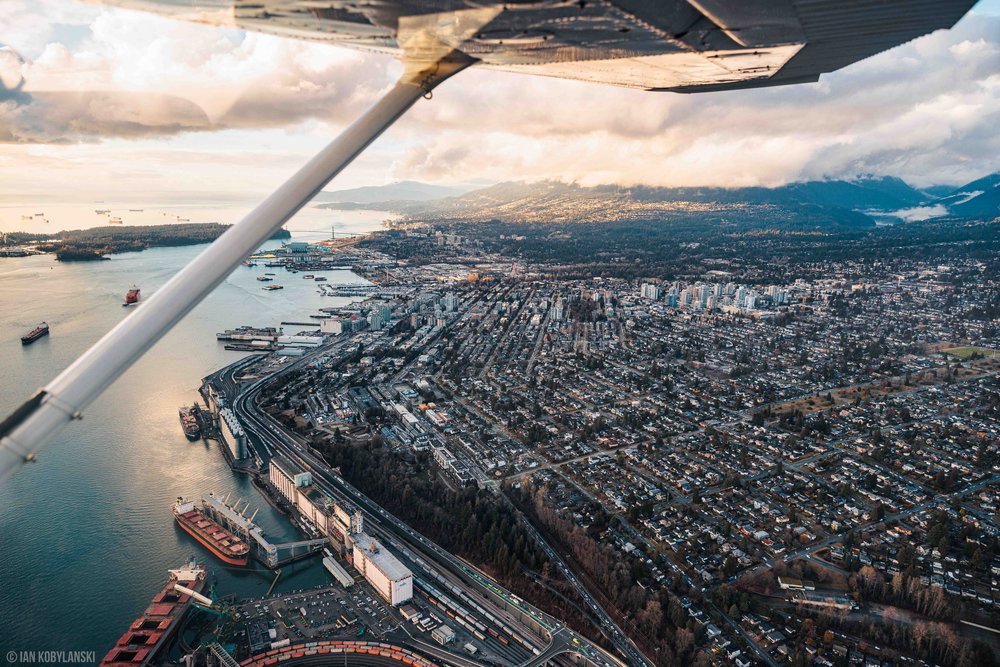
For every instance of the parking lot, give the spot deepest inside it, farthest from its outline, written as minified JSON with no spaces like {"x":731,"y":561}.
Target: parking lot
{"x":318,"y":613}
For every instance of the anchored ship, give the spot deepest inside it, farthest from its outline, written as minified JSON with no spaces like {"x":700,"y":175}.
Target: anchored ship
{"x":40,"y":331}
{"x":149,"y":634}
{"x":212,"y":536}
{"x":189,"y":421}
{"x":132,"y":296}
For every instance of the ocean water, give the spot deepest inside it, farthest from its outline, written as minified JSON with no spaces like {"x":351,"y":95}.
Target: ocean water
{"x":86,"y":533}
{"x":17,"y":215}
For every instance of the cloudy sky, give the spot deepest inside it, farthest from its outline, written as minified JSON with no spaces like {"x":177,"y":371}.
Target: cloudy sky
{"x":107,"y":101}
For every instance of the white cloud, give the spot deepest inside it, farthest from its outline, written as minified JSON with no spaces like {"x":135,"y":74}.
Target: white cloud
{"x":920,"y":213}
{"x":926,"y":111}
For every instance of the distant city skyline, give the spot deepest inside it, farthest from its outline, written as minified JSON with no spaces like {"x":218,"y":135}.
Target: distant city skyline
{"x":103,"y":102}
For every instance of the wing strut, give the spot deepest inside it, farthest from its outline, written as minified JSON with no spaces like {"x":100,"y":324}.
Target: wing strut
{"x":40,"y":418}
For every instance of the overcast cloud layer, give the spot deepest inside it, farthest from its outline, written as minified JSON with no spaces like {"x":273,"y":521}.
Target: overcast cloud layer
{"x":87,"y":87}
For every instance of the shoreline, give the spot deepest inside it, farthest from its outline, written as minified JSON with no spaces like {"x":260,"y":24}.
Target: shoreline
{"x":95,"y":243}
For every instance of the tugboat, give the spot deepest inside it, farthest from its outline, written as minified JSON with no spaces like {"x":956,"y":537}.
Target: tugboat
{"x":40,"y":331}
{"x":132,"y":296}
{"x":189,"y":421}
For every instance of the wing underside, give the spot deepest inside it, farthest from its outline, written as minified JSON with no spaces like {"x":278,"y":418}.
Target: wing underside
{"x":679,"y":45}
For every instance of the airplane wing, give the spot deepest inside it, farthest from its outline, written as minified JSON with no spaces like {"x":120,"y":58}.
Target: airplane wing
{"x":676,"y":45}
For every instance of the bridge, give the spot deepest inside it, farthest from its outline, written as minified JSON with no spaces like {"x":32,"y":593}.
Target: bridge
{"x":271,"y":555}
{"x":219,"y":657}
{"x":548,"y":654}
{"x":564,"y":641}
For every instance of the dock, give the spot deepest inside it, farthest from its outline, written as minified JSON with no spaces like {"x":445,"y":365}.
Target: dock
{"x":270,"y":555}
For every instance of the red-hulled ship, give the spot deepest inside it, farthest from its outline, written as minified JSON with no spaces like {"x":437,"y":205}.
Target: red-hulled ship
{"x":132,"y":296}
{"x":212,"y":536}
{"x":151,"y":632}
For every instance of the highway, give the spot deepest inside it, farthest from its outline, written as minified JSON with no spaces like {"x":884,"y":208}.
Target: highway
{"x":269,"y":437}
{"x":605,"y":622}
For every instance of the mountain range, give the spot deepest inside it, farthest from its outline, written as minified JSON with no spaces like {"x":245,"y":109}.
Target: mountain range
{"x":399,"y":191}
{"x":978,"y":199}
{"x":858,"y":202}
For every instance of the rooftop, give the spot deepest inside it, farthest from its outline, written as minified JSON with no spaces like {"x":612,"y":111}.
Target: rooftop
{"x":381,"y":558}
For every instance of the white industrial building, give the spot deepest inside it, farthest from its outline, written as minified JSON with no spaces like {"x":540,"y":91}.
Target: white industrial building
{"x":443,"y":634}
{"x":300,"y":341}
{"x":333,"y":325}
{"x":342,"y":523}
{"x":390,"y":578}
{"x":287,"y":477}
{"x":339,"y":573}
{"x":314,"y":507}
{"x":344,"y":526}
{"x":232,"y":434}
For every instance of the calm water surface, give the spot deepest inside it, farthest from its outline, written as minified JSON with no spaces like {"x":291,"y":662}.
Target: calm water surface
{"x":86,"y":533}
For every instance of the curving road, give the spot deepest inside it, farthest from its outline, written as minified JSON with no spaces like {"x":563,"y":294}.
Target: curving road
{"x":269,"y":437}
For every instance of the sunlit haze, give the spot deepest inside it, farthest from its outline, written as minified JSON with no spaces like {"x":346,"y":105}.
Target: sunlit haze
{"x":121,"y":103}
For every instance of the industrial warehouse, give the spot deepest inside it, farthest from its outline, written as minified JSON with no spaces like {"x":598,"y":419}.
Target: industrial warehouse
{"x":345,"y":529}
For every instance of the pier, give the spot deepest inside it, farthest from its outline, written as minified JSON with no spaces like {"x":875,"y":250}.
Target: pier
{"x":348,"y":289}
{"x":271,"y":555}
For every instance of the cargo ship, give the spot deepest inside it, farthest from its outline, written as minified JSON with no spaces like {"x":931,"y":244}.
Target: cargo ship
{"x":132,"y":296}
{"x":149,"y":634}
{"x":40,"y":331}
{"x":189,"y":421}
{"x":212,"y":536}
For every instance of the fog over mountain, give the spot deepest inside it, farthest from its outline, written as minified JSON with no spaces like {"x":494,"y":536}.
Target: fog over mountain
{"x":980,"y":198}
